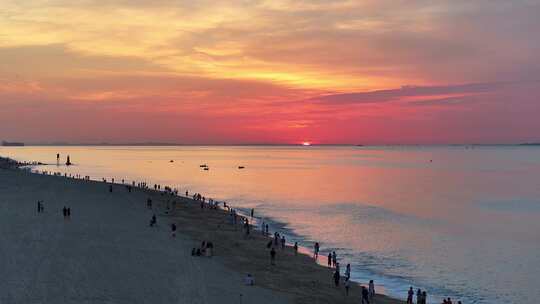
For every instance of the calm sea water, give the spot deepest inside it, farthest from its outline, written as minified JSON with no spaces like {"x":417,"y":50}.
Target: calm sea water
{"x":457,"y":221}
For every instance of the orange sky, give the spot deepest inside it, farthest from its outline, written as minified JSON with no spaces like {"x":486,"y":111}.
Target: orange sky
{"x":270,"y":71}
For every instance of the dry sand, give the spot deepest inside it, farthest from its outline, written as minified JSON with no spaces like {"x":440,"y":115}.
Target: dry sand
{"x":107,"y":253}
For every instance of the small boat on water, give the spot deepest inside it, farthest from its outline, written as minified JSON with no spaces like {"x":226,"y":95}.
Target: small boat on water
{"x":241,"y":167}
{"x":203,"y":166}
{"x":171,"y":161}
{"x":206,"y":169}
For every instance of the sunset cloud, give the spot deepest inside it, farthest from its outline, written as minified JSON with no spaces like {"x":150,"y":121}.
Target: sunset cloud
{"x":277,"y":70}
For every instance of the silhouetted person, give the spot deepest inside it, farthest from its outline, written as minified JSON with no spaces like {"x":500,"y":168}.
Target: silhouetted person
{"x":252,"y":212}
{"x":173,"y":230}
{"x":329,"y":259}
{"x":64,"y":211}
{"x":68,"y":161}
{"x":68,"y":212}
{"x":153,"y":221}
{"x":365,"y":295}
{"x":410,"y":295}
{"x":273,"y":256}
{"x":371,"y":290}
{"x":316,"y":250}
{"x":295,"y":248}
{"x":246,"y":227}
{"x":336,"y":278}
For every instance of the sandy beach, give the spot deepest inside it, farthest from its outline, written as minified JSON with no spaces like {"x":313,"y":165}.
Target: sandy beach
{"x":107,"y":253}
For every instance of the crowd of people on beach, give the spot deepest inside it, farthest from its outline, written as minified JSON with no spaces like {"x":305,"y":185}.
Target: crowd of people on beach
{"x":276,"y":241}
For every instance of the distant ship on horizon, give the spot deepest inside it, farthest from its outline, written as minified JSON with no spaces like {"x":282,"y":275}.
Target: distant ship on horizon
{"x":12,"y":144}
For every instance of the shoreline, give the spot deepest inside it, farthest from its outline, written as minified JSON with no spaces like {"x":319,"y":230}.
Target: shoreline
{"x":242,"y":255}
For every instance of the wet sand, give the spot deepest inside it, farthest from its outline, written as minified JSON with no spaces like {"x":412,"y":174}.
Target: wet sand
{"x":107,"y":253}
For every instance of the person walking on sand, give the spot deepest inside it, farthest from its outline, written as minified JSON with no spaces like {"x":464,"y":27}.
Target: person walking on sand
{"x":316,"y":250}
{"x":424,"y":297}
{"x":336,"y":278}
{"x":329,"y":260}
{"x":246,"y":226}
{"x":410,"y":295}
{"x":273,"y":256}
{"x":365,"y":295}
{"x":371,"y":290}
{"x":64,"y":211}
{"x":347,"y":286}
{"x":173,"y":230}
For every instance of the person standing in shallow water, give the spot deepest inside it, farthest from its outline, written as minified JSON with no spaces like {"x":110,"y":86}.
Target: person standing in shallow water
{"x":295,"y":248}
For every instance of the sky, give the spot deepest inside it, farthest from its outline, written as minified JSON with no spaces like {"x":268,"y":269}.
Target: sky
{"x":239,"y":72}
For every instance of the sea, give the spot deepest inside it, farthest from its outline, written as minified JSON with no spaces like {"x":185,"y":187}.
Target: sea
{"x":456,"y":221}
